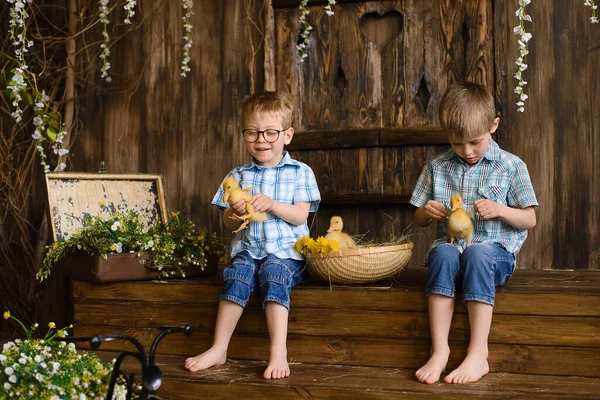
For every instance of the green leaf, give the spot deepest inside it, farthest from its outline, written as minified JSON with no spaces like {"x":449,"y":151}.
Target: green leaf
{"x":51,"y":133}
{"x":28,"y":98}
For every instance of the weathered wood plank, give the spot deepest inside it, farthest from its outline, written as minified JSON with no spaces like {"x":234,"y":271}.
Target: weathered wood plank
{"x":577,"y":185}
{"x":374,"y":137}
{"x":509,"y":329}
{"x":381,"y":352}
{"x":569,"y":293}
{"x":317,"y":380}
{"x":539,"y":152}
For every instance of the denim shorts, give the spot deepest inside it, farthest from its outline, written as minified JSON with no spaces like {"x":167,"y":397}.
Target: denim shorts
{"x":476,"y":272}
{"x":274,"y":276}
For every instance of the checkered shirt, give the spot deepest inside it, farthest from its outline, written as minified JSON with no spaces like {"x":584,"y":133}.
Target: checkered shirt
{"x":290,"y":182}
{"x":499,"y":176}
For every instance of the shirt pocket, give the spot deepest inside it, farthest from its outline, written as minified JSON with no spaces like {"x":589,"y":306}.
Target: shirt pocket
{"x":496,"y":193}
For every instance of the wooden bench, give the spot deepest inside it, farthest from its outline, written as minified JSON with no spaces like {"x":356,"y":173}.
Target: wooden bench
{"x":362,"y":341}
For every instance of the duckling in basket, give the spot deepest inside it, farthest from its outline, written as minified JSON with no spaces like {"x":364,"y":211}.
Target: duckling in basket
{"x":233,"y":194}
{"x":334,"y":232}
{"x":460,"y":225}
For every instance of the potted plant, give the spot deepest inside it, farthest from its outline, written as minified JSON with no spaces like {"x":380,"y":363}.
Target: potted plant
{"x":119,"y":247}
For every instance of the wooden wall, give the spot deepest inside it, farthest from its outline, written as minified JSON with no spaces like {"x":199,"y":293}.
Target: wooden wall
{"x":367,"y":97}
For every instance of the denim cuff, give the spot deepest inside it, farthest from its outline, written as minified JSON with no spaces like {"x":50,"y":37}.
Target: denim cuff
{"x":480,"y":298}
{"x":440,"y":290}
{"x":275,"y":300}
{"x":233,"y":299}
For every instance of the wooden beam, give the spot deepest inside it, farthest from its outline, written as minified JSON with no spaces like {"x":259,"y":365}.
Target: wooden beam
{"x":296,"y":3}
{"x":364,"y":200}
{"x":378,"y":137}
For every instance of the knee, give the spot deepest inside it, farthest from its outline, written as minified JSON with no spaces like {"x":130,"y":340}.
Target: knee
{"x":239,"y":282}
{"x":443,"y":256}
{"x":276,"y":279}
{"x":273,"y":271}
{"x":476,"y":254}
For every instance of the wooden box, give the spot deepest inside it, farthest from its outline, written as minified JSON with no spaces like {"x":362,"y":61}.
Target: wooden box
{"x":72,"y":197}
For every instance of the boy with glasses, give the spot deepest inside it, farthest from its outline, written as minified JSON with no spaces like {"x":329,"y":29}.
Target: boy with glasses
{"x":263,"y":254}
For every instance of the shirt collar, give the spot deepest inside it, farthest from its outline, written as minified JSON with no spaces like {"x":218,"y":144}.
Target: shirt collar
{"x":285,"y":160}
{"x":491,"y":154}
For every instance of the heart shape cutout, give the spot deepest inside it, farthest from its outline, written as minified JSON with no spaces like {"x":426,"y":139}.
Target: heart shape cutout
{"x":381,"y":30}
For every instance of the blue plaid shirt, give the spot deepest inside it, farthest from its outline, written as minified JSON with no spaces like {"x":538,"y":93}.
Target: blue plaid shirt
{"x":290,"y":182}
{"x":499,"y":176}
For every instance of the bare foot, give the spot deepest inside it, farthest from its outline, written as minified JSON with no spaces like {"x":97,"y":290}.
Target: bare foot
{"x":209,"y":358}
{"x":278,"y":367}
{"x":430,"y":372}
{"x":472,"y":369}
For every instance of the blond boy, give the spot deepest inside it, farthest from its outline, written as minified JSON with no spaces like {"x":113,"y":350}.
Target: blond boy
{"x":263,"y":254}
{"x":496,"y":184}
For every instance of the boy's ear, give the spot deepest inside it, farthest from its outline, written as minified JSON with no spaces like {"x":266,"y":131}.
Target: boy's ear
{"x":289,"y":134}
{"x":495,"y":125}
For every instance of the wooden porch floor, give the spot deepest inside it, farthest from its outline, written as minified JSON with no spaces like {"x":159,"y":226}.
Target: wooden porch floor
{"x":362,"y":341}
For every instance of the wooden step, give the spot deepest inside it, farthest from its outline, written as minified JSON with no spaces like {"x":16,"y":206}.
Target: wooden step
{"x":243,"y":379}
{"x":545,"y":322}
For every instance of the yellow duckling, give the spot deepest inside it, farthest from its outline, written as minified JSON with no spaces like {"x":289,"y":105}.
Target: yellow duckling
{"x":344,"y":240}
{"x":233,"y":194}
{"x":460,"y":225}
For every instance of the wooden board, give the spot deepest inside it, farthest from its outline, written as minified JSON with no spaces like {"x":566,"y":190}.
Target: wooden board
{"x":345,"y":349}
{"x":243,"y":379}
{"x":73,"y":197}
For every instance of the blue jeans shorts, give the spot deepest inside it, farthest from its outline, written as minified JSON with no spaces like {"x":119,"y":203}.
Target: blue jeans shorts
{"x":476,"y":272}
{"x":274,"y":276}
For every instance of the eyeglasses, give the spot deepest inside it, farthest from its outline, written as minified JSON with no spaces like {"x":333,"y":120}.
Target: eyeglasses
{"x":270,"y":135}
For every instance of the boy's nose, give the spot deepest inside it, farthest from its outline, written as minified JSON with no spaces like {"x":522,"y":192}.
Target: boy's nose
{"x":261,"y":137}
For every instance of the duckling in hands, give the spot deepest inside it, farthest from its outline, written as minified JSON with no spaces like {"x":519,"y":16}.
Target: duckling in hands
{"x":344,"y":240}
{"x":460,"y":225}
{"x":233,"y":194}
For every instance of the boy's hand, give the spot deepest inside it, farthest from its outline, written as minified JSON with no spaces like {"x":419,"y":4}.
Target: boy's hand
{"x":487,"y":208}
{"x":261,"y":203}
{"x":239,"y":207}
{"x":435,"y":210}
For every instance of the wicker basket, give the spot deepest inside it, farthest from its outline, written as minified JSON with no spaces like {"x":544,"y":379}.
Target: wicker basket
{"x":361,"y":265}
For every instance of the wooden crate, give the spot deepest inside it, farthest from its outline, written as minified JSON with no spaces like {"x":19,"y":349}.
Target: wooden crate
{"x":72,"y":197}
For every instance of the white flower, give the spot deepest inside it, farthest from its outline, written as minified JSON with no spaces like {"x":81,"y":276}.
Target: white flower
{"x":129,"y":7}
{"x":116,"y":226}
{"x":524,"y":37}
{"x":594,"y":7}
{"x":6,"y":386}
{"x":187,"y":6}
{"x":104,"y":11}
{"x":9,"y":371}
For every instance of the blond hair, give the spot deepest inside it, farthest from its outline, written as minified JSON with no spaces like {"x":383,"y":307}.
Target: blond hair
{"x":276,"y":103}
{"x":466,"y":111}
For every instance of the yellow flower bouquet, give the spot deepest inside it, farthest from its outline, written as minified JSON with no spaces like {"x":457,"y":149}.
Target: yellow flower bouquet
{"x":307,"y":245}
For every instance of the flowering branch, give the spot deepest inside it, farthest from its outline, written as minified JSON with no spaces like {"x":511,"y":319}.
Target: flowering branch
{"x":47,"y":121}
{"x":129,"y":7}
{"x":306,"y":27}
{"x":522,"y":66}
{"x":104,"y":11}
{"x":593,"y":6}
{"x":187,"y":38}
